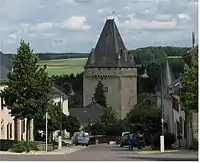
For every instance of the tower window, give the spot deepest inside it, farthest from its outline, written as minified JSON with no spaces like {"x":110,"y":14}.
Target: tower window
{"x":107,"y":39}
{"x":106,"y":89}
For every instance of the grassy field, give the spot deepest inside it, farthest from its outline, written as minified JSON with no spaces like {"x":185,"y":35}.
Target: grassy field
{"x":174,"y":57}
{"x":64,"y":66}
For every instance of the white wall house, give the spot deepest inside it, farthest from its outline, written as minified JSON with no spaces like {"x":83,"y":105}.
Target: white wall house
{"x":59,"y":97}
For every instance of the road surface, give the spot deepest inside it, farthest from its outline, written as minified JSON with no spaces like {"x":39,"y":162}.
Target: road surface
{"x":101,"y":152}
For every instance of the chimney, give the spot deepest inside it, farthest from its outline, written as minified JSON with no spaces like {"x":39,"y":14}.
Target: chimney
{"x":125,"y":55}
{"x":119,"y":59}
{"x":193,"y":39}
{"x":92,"y":56}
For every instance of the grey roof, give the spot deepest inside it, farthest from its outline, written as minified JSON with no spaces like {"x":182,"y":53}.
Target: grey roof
{"x":5,"y":66}
{"x":91,"y":112}
{"x":168,"y":78}
{"x":56,"y":91}
{"x":174,"y":87}
{"x":193,"y":51}
{"x":110,"y":50}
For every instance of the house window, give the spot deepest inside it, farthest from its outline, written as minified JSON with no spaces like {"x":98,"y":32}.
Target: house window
{"x":2,"y":128}
{"x":7,"y":131}
{"x":185,"y":129}
{"x":175,"y":104}
{"x":10,"y":126}
{"x":181,"y":124}
{"x":2,"y":103}
{"x":106,"y":89}
{"x":23,"y":125}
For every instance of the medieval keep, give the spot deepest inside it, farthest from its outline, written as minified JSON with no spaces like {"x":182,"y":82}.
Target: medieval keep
{"x":110,"y":63}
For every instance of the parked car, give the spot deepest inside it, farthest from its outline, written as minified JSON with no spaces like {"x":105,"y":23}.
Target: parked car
{"x":140,"y":141}
{"x":83,"y":138}
{"x":75,"y":138}
{"x":124,"y":139}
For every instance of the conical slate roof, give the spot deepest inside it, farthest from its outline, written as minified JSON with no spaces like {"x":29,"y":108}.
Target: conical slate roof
{"x":110,"y":50}
{"x":5,"y":66}
{"x":168,"y":78}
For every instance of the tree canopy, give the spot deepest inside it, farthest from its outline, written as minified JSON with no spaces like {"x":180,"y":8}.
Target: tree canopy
{"x":99,"y":94}
{"x":70,"y":123}
{"x":27,"y":94}
{"x":189,"y":91}
{"x":144,"y":117}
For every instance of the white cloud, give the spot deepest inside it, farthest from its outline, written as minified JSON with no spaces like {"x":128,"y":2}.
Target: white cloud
{"x":163,"y":17}
{"x":44,"y":26}
{"x":184,"y":16}
{"x":72,"y":25}
{"x":133,"y":23}
{"x":62,"y":2}
{"x":75,"y":23}
{"x":12,"y":36}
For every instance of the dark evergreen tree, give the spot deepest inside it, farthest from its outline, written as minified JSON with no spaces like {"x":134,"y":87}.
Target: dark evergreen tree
{"x":70,"y":123}
{"x":27,"y":94}
{"x":99,"y":95}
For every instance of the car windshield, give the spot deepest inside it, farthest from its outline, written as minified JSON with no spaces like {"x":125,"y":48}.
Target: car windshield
{"x":125,"y":137}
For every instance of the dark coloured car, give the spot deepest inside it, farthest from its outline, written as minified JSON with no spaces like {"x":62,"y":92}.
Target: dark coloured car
{"x":124,"y":140}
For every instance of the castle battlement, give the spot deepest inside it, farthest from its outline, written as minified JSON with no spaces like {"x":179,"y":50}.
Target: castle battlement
{"x":114,"y":72}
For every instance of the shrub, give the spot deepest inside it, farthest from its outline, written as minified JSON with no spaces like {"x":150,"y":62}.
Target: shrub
{"x":168,"y":138}
{"x":25,"y":146}
{"x":194,"y":145}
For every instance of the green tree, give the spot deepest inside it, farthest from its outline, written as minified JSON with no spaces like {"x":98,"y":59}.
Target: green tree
{"x":70,"y":123}
{"x":144,"y":115}
{"x":54,"y":121}
{"x":109,"y":122}
{"x":189,"y":93}
{"x":99,"y":95}
{"x":27,"y":94}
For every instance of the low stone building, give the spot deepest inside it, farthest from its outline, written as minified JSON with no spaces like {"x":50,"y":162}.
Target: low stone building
{"x":89,"y":114}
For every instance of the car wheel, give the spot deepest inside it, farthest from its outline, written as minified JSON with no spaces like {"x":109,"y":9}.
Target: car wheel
{"x":86,"y":145}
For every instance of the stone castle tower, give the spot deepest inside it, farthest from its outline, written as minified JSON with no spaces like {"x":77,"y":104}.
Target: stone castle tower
{"x":110,"y":63}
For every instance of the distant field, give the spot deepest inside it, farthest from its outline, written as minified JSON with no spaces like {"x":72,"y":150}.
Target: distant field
{"x":174,"y":57}
{"x":64,"y":66}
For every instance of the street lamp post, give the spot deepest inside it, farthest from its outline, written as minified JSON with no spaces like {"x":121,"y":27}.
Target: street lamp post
{"x":162,"y":142}
{"x":46,"y":119}
{"x":62,"y":95}
{"x":60,"y":135}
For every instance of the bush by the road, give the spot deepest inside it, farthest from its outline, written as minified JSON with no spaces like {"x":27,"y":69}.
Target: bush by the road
{"x":25,"y":146}
{"x":194,"y":145}
{"x":168,"y":138}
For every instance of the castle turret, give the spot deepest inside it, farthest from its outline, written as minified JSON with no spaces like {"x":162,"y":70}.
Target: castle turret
{"x":109,"y":62}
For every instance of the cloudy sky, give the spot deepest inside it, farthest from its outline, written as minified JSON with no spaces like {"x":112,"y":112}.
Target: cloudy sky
{"x":75,"y":25}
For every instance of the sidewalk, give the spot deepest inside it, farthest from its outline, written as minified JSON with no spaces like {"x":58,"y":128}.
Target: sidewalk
{"x":63,"y":151}
{"x":168,"y":156}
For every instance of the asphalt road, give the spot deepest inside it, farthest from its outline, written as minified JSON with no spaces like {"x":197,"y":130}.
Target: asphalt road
{"x":102,"y":152}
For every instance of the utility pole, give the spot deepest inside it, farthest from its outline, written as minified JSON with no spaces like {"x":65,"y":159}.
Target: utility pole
{"x":193,"y":39}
